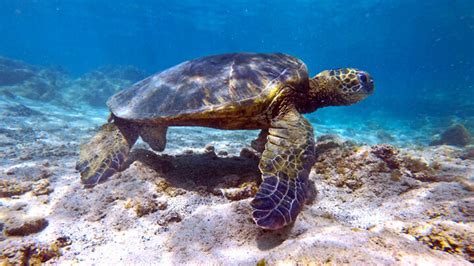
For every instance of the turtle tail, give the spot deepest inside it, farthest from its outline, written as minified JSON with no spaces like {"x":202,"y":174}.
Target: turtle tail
{"x":106,"y":152}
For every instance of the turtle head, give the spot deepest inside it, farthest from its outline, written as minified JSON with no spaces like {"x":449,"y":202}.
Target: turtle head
{"x":344,"y":86}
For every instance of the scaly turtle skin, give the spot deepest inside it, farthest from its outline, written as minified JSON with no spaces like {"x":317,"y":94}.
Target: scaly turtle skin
{"x":269,"y":92}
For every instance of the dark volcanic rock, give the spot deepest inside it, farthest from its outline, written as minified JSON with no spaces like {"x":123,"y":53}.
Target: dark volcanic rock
{"x":456,"y":135}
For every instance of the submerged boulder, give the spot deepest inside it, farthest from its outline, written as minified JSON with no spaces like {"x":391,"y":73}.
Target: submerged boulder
{"x":33,"y":82}
{"x":23,"y":227}
{"x":328,"y":142}
{"x":467,"y":153}
{"x":456,"y":135}
{"x":96,"y":87}
{"x":13,"y":71}
{"x":18,"y":78}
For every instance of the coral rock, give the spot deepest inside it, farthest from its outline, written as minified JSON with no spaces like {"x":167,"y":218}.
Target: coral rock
{"x":42,"y":187}
{"x":33,"y":253}
{"x":468,"y":153}
{"x":148,"y":206}
{"x":327,"y":142}
{"x":416,"y":164}
{"x":209,"y":148}
{"x":247,"y":153}
{"x":456,"y":135}
{"x":9,"y":188}
{"x":246,"y":190}
{"x":29,"y":81}
{"x":17,"y":227}
{"x":388,"y":154}
{"x":97,"y":86}
{"x":172,"y":217}
{"x":448,"y":237}
{"x":165,"y":187}
{"x":222,"y":153}
{"x":210,"y":151}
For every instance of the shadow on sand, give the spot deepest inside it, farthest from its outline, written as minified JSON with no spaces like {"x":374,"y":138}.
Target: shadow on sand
{"x":191,"y":171}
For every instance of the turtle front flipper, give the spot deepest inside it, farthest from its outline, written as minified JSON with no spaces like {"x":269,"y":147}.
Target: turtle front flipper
{"x":285,"y":166}
{"x":105,"y":153}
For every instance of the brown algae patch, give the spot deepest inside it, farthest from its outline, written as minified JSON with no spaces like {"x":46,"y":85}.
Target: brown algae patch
{"x":449,"y":237}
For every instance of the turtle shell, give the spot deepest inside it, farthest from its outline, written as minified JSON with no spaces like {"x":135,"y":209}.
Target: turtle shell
{"x":209,"y":83}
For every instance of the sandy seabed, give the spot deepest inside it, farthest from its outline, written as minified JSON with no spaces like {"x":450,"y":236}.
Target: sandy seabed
{"x":369,"y":204}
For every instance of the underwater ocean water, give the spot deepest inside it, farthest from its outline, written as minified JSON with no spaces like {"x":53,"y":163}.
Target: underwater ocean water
{"x":420,"y":54}
{"x":396,"y":165}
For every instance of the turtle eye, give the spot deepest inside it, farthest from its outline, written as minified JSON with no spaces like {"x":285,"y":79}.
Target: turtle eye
{"x":365,"y":81}
{"x":362,"y":78}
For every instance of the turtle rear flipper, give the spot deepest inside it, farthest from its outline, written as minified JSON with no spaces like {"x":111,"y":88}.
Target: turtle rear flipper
{"x":155,"y":136}
{"x":285,"y":166}
{"x":105,"y":153}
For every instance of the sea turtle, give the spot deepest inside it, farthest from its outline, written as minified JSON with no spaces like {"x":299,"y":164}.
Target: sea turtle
{"x":267,"y":92}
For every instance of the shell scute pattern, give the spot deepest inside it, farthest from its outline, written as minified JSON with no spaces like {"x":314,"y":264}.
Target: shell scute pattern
{"x":209,"y":83}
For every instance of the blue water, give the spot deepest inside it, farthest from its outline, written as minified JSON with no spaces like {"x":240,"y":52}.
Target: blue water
{"x":420,"y":53}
